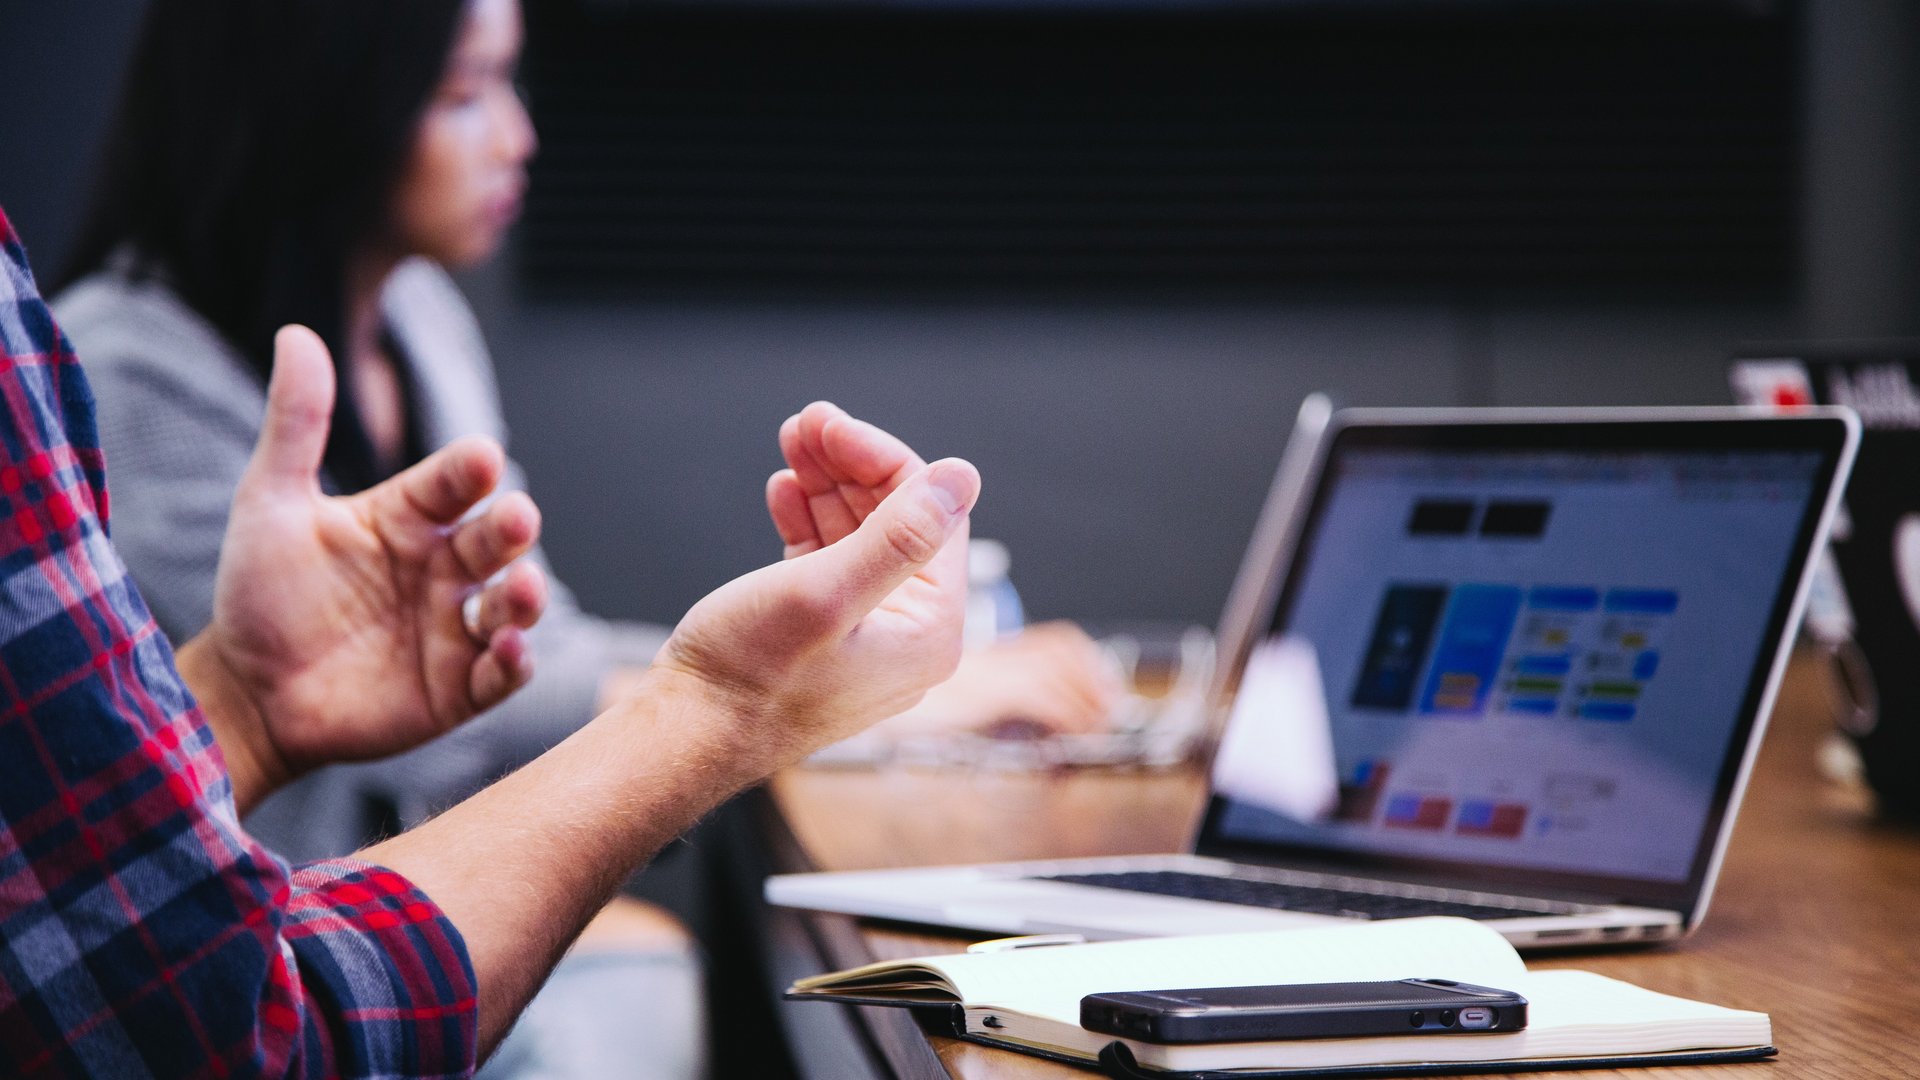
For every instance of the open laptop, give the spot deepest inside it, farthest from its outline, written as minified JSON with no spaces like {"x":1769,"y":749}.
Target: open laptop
{"x":1541,"y":647}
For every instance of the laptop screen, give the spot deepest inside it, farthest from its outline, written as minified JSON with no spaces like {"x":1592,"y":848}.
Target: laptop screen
{"x":1538,"y":653}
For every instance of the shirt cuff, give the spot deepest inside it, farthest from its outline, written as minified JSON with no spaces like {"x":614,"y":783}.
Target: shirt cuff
{"x":401,"y":986}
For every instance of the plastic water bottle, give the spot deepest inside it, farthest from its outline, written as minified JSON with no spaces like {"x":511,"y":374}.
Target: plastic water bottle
{"x":993,"y":605}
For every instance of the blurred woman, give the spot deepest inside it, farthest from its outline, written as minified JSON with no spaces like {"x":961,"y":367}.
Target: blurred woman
{"x":324,"y":162}
{"x":318,"y":162}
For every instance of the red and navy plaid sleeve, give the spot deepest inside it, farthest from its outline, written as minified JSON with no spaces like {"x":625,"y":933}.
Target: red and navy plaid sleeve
{"x":142,"y":932}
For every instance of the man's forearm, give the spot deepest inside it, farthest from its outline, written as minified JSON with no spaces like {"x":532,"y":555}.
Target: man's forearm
{"x":522,"y":866}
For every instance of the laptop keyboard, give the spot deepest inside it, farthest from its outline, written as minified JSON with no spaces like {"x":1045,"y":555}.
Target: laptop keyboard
{"x":1305,"y":898}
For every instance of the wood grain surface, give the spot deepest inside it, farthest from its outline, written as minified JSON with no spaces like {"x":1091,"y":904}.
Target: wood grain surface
{"x":1816,"y":919}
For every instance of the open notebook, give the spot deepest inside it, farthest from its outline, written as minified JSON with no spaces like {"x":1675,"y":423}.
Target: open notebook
{"x":1029,"y":1000}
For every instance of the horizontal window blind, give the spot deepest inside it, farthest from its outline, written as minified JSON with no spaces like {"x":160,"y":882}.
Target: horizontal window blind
{"x":1640,"y":150}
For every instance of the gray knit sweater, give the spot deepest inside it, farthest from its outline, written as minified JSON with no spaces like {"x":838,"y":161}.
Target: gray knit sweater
{"x":179,"y":412}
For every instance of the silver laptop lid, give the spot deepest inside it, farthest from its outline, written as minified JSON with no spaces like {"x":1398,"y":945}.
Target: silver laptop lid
{"x":1249,"y":605}
{"x":1546,"y":641}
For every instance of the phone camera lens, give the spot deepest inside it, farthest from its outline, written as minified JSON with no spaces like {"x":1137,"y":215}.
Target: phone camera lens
{"x":1418,"y":1018}
{"x":1446,"y":1017}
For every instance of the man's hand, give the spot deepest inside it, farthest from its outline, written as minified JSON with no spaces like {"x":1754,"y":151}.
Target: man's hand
{"x":338,"y":630}
{"x":865,"y":613}
{"x":1052,"y":676}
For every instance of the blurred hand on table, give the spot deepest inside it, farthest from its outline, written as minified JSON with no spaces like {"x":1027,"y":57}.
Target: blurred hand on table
{"x":1050,"y":679}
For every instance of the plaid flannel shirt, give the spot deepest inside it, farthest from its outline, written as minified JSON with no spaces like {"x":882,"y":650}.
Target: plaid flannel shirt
{"x":142,"y":931}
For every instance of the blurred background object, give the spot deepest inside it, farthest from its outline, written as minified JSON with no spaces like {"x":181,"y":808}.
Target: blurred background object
{"x":993,"y":604}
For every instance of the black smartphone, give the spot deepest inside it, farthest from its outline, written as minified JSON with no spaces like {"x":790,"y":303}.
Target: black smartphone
{"x":1304,"y":1011}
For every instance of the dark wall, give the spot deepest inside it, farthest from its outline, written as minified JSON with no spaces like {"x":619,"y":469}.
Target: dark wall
{"x":1126,"y":441}
{"x":1262,"y":149}
{"x":61,"y":65}
{"x":1861,"y":227}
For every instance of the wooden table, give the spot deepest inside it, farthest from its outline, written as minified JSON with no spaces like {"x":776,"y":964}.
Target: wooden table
{"x":1816,"y":919}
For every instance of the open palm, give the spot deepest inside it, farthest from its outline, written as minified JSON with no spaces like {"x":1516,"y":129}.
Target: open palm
{"x":341,"y":617}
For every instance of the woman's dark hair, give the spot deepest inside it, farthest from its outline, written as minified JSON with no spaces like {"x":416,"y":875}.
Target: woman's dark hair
{"x":254,"y":154}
